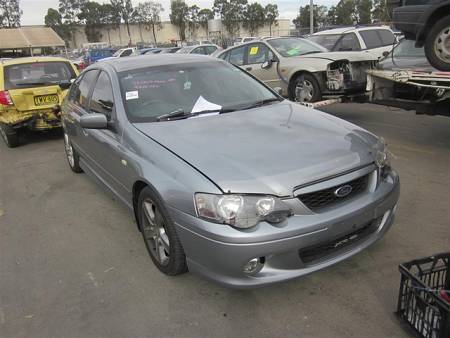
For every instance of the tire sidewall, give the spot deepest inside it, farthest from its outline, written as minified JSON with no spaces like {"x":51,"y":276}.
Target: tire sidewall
{"x":434,"y":60}
{"x":76,"y":160}
{"x":177,"y":259}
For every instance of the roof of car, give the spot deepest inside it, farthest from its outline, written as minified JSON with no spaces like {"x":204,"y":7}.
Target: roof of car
{"x":30,"y":59}
{"x":156,"y":60}
{"x":349,"y":29}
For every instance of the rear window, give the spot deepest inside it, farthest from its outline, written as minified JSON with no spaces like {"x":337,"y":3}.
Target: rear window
{"x":37,"y":74}
{"x":377,"y":38}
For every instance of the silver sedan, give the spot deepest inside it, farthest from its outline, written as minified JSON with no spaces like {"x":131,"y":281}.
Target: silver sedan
{"x":226,"y":178}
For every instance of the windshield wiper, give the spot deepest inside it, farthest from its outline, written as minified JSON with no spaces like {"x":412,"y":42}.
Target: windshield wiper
{"x":257,"y":104}
{"x":311,"y":52}
{"x":173,"y":115}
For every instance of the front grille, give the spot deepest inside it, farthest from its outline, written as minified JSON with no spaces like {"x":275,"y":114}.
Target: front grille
{"x":327,"y":197}
{"x":321,"y":250}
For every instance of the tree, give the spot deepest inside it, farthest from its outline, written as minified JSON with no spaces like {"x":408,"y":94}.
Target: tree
{"x":110,"y":19}
{"x":231,"y":13}
{"x":149,"y":14}
{"x":271,"y":15}
{"x":346,"y":13}
{"x":90,"y":15}
{"x":193,"y":21}
{"x":253,"y":18}
{"x":204,"y":15}
{"x":381,"y":11}
{"x":10,"y":13}
{"x":69,"y":10}
{"x":364,"y":11}
{"x":179,"y":15}
{"x":125,"y":8}
{"x":303,"y":18}
{"x":53,"y":19}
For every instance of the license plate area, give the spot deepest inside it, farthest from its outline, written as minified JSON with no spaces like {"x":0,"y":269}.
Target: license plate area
{"x":44,"y":100}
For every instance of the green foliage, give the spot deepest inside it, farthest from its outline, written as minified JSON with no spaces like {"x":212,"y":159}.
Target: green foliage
{"x":149,"y":14}
{"x":271,"y":15}
{"x":179,"y":16}
{"x":10,"y":13}
{"x":204,"y":15}
{"x":364,"y":11}
{"x":90,"y":15}
{"x":53,"y":19}
{"x":253,"y":17}
{"x":124,"y":8}
{"x":193,"y":20}
{"x":303,"y":18}
{"x":70,"y":9}
{"x":231,"y":12}
{"x":381,"y":11}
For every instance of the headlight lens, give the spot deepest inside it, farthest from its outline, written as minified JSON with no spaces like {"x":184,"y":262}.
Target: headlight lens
{"x":241,"y":211}
{"x":382,"y":159}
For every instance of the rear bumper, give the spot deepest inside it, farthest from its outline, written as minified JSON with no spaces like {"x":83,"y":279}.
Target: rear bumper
{"x":35,"y":120}
{"x":296,"y":249}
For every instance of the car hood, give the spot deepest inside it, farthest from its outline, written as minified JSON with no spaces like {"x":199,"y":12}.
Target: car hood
{"x":334,"y":56}
{"x":269,"y":150}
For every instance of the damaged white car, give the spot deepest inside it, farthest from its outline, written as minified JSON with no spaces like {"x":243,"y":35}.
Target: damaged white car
{"x":302,"y":70}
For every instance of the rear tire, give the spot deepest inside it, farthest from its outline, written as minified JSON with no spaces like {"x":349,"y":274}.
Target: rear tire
{"x":9,"y":135}
{"x":72,"y":156}
{"x":304,"y":88}
{"x":437,"y":45}
{"x":159,"y":233}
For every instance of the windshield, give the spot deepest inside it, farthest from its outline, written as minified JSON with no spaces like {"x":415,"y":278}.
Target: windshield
{"x":294,"y":47}
{"x":189,"y":87}
{"x":37,"y":74}
{"x":326,"y":40}
{"x":407,"y":48}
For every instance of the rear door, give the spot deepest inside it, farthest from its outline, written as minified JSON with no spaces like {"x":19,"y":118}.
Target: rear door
{"x":378,"y":40}
{"x":35,"y":85}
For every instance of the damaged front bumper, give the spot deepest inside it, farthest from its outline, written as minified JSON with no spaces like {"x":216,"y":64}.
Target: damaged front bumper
{"x":344,"y":77}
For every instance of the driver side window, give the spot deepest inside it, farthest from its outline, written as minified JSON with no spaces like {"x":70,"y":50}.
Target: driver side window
{"x":102,"y":100}
{"x":258,"y":53}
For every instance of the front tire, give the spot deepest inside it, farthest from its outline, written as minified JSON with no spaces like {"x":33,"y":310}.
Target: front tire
{"x":305,"y":88}
{"x":437,"y":45}
{"x":160,"y":236}
{"x":72,"y":156}
{"x":9,"y":135}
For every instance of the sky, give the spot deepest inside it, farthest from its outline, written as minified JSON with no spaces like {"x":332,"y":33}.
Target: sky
{"x":34,"y":10}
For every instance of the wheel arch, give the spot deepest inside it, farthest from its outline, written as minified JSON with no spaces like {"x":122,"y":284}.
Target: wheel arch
{"x":436,"y":15}
{"x":301,"y":72}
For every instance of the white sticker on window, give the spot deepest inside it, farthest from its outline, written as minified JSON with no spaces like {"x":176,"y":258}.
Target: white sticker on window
{"x":132,"y":95}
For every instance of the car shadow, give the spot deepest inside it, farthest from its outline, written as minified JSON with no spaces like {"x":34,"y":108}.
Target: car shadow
{"x":27,"y":136}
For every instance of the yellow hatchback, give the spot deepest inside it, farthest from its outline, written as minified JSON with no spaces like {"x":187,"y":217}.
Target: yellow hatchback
{"x":31,"y":90}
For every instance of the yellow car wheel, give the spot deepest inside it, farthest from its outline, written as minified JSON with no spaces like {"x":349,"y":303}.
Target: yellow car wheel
{"x":9,"y":135}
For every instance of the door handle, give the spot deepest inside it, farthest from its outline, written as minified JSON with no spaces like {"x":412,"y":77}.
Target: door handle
{"x":248,"y":69}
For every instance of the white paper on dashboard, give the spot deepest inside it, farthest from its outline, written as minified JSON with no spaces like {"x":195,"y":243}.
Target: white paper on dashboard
{"x":202,"y":104}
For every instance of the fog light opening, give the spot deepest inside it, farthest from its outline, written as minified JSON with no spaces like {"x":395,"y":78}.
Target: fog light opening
{"x":254,"y":265}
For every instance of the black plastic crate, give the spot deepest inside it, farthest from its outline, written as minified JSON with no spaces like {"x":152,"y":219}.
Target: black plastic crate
{"x":420,"y":304}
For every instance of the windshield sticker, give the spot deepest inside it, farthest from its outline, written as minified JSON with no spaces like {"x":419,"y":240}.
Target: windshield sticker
{"x":187,"y":85}
{"x":253,"y":51}
{"x":132,"y":95}
{"x":293,"y":51}
{"x":203,"y":104}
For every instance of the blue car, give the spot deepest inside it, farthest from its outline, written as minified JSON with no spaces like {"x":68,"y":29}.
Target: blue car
{"x":97,"y":54}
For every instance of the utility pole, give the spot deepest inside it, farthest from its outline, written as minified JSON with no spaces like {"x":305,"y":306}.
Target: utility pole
{"x":311,"y":16}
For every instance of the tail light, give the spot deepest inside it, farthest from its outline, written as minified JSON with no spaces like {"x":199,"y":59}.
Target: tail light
{"x":5,"y":98}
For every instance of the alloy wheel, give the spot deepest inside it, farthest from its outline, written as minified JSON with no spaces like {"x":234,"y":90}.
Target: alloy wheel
{"x":304,"y":91}
{"x":154,"y":232}
{"x":442,"y":45}
{"x":69,"y":150}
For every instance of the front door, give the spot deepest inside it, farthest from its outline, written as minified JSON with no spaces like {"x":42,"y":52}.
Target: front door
{"x":257,"y":55}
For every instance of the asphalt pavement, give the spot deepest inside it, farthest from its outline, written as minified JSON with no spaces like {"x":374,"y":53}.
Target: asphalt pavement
{"x":72,"y":263}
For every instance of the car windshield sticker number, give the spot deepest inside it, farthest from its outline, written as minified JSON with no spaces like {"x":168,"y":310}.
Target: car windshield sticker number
{"x":254,"y":50}
{"x":132,"y":95}
{"x":187,"y":85}
{"x":293,"y":51}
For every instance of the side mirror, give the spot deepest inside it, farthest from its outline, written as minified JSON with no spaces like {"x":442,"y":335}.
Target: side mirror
{"x":385,"y":54}
{"x":267,"y":64}
{"x":65,"y":84}
{"x":94,"y":121}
